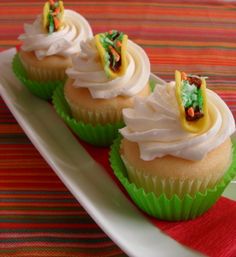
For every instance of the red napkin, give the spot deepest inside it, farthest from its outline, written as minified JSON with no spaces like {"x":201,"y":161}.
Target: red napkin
{"x":213,"y":234}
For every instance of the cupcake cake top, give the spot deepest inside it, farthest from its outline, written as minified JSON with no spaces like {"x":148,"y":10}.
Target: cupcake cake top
{"x":110,"y":65}
{"x":158,"y":122}
{"x":55,"y":32}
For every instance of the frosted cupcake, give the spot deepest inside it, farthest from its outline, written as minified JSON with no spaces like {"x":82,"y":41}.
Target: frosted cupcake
{"x":48,"y":43}
{"x":176,"y":147}
{"x":103,"y":80}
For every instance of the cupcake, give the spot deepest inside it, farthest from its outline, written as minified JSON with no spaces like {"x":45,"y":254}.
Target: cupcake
{"x":104,"y":78}
{"x":176,"y":149}
{"x":48,"y":43}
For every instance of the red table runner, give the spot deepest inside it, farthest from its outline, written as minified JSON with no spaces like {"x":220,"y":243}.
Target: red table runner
{"x":38,"y":215}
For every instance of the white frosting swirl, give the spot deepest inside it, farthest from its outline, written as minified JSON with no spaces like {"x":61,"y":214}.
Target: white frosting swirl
{"x":64,"y":42}
{"x":88,"y":72}
{"x":154,"y":124}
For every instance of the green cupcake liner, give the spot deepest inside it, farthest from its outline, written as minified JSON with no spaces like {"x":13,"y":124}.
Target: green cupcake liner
{"x":173,"y":209}
{"x":41,"y":89}
{"x":152,"y":85}
{"x":98,"y":135}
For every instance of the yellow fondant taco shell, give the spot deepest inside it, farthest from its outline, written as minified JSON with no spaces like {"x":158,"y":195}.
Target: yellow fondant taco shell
{"x":192,"y":126}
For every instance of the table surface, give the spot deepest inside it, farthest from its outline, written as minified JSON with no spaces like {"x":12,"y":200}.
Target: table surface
{"x":38,"y":215}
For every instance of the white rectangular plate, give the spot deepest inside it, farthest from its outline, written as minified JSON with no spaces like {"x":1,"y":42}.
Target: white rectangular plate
{"x":86,"y":179}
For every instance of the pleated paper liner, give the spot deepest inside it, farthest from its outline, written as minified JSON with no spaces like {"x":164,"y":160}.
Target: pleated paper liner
{"x":98,"y":135}
{"x":152,"y":85}
{"x":170,"y":186}
{"x":172,"y":209}
{"x":42,"y":89}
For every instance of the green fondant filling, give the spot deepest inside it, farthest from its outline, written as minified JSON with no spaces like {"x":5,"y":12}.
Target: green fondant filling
{"x":191,"y":95}
{"x":51,"y":26}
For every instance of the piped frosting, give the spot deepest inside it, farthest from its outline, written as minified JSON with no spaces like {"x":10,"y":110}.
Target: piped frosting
{"x":64,"y":42}
{"x":88,"y":72}
{"x":154,"y":123}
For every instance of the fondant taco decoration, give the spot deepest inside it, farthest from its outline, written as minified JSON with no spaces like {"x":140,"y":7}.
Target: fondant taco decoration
{"x":112,"y":48}
{"x":53,"y":13}
{"x":192,"y":102}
